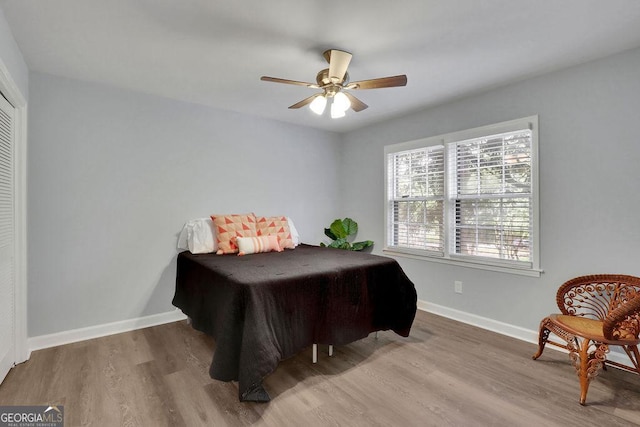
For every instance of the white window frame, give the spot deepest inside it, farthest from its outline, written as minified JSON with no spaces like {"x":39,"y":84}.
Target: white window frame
{"x":533,"y":269}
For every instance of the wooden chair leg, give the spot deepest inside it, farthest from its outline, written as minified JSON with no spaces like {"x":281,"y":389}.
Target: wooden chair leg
{"x":543,"y":336}
{"x":587,"y":362}
{"x":634,"y":356}
{"x":582,"y":370}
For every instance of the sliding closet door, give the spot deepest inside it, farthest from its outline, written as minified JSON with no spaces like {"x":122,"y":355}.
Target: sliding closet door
{"x":7,"y":239}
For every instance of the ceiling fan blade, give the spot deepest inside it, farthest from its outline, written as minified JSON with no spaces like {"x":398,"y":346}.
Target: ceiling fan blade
{"x":289,"y":82}
{"x":356,"y":104}
{"x":306,"y":101}
{"x":338,"y":64}
{"x":393,"y":81}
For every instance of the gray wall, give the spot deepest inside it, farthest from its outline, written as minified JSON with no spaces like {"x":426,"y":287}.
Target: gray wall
{"x":11,"y":57}
{"x":589,"y":175}
{"x":113,"y":176}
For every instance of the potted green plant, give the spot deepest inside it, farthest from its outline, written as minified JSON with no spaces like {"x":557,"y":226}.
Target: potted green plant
{"x":341,"y":231}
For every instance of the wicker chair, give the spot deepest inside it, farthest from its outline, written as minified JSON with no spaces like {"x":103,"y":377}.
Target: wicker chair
{"x":597,"y":311}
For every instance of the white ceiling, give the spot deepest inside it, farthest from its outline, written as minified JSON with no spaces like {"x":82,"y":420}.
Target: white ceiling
{"x":214,"y":52}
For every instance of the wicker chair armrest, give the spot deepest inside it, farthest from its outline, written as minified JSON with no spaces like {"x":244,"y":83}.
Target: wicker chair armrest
{"x":624,"y":321}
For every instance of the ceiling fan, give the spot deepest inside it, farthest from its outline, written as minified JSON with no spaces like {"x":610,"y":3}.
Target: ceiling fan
{"x":334,"y":82}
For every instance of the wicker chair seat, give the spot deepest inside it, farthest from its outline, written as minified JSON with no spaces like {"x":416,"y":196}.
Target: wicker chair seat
{"x":588,"y":328}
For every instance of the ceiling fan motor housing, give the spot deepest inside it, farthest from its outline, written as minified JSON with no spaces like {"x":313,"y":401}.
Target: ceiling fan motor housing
{"x":330,"y":88}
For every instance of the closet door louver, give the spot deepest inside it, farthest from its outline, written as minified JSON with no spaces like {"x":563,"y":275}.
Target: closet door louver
{"x":7,"y":239}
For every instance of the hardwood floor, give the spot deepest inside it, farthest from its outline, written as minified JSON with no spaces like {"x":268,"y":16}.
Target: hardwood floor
{"x":445,"y":373}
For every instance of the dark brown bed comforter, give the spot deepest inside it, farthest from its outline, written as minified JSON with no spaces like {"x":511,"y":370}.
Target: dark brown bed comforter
{"x":263,"y":308}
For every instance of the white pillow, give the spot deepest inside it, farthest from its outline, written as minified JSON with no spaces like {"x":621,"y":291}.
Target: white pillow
{"x":294,"y":233}
{"x":198,"y":236}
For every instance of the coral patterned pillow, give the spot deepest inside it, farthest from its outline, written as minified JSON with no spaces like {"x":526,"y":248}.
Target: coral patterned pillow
{"x":230,"y":227}
{"x":276,"y":226}
{"x":254,"y":245}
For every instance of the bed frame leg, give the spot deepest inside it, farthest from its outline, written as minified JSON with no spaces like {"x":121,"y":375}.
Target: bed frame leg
{"x":376,"y":337}
{"x":314,"y":355}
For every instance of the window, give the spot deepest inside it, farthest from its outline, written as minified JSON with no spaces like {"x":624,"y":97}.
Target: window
{"x":467,"y":198}
{"x":417,"y":199}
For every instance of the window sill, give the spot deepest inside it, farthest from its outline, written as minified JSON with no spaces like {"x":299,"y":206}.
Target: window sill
{"x":530,"y":272}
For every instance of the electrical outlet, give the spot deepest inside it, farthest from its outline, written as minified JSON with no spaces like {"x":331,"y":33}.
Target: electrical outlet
{"x":457,"y":287}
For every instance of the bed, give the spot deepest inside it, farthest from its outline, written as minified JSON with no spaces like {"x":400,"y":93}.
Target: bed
{"x":266,"y":307}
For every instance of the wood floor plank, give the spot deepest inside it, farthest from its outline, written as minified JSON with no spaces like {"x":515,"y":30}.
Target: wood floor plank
{"x":196,"y":406}
{"x":445,"y":374}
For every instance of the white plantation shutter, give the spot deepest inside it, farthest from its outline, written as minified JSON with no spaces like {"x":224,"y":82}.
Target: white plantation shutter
{"x":416,"y":199}
{"x":491,"y":197}
{"x":7,"y":239}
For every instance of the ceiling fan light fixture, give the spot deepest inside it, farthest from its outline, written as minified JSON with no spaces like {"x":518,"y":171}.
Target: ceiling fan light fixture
{"x":341,"y":101}
{"x":318,"y":104}
{"x":336,"y":111}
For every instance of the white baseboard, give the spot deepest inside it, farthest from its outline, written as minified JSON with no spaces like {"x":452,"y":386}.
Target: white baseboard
{"x":517,"y":332}
{"x":75,"y":335}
